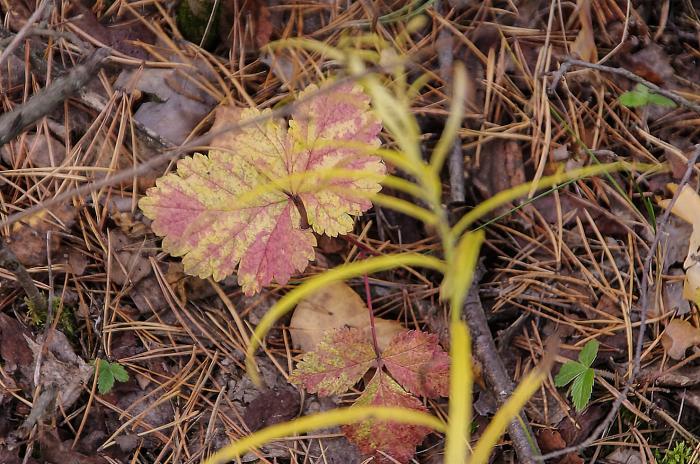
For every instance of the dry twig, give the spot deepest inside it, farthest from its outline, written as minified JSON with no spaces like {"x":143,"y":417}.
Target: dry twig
{"x":495,"y":372}
{"x":12,"y":123}
{"x":677,"y":99}
{"x":455,"y":162}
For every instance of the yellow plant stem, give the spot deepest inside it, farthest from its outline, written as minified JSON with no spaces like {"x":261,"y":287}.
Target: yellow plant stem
{"x":332,"y":418}
{"x":459,"y":423}
{"x":506,"y":196}
{"x":340,"y":273}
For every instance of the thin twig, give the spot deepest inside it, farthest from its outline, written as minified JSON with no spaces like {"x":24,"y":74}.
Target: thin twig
{"x":677,"y":99}
{"x":41,"y":104}
{"x":455,"y":162}
{"x":9,"y":261}
{"x":38,"y":13}
{"x":644,"y":292}
{"x":495,"y":372}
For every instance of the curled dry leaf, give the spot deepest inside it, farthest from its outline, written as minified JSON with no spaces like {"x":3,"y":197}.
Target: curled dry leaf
{"x":178,"y":100}
{"x":687,"y":207}
{"x":335,"y":306}
{"x":255,"y":202}
{"x":678,"y":337}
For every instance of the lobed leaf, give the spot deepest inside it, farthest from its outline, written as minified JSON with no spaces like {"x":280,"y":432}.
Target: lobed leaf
{"x":582,"y":388}
{"x":105,"y":379}
{"x":108,"y":373}
{"x":398,"y":440}
{"x":339,"y":362}
{"x":640,"y":96}
{"x":660,"y":100}
{"x":568,"y":372}
{"x":588,"y":353}
{"x":245,"y":206}
{"x":418,"y":363}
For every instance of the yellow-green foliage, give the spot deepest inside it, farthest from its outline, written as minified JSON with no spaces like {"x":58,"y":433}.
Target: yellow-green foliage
{"x":460,"y":250}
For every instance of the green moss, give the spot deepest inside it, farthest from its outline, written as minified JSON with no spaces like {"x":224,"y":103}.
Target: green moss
{"x":682,"y":453}
{"x":66,"y":322}
{"x":192,"y":19}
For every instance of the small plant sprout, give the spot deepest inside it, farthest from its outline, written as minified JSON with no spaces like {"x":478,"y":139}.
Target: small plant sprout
{"x":581,"y":374}
{"x":108,"y":372}
{"x":682,"y":453}
{"x":640,"y":96}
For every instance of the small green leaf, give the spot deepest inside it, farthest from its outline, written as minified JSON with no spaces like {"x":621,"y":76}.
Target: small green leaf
{"x":660,"y":100}
{"x":582,"y":389}
{"x":641,"y":96}
{"x":568,"y":372}
{"x":119,"y":372}
{"x":108,"y":373}
{"x":105,"y":379}
{"x":588,"y":353}
{"x":634,"y":99}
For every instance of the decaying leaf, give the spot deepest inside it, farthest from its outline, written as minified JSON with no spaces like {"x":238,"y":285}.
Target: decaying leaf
{"x":338,"y":363}
{"x":687,"y":207}
{"x":417,"y":364}
{"x":335,"y":306}
{"x":60,"y":367}
{"x":678,"y":337}
{"x":238,"y":206}
{"x":34,"y":150}
{"x":397,"y":440}
{"x":177,"y":100}
{"x":28,"y":239}
{"x":584,"y":45}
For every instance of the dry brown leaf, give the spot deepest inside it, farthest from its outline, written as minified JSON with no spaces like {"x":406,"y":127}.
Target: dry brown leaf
{"x":687,"y":207}
{"x":60,"y":366}
{"x":584,"y":45}
{"x":39,"y":151}
{"x":678,"y":337}
{"x":501,"y":167}
{"x":624,"y":456}
{"x":130,"y":262}
{"x":28,"y":239}
{"x":333,"y":307}
{"x":177,"y":103}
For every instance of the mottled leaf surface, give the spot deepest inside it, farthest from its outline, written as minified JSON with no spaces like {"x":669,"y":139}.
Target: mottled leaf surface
{"x":418,"y":367}
{"x":238,"y":208}
{"x":337,"y":364}
{"x":418,"y":363}
{"x":395,"y":439}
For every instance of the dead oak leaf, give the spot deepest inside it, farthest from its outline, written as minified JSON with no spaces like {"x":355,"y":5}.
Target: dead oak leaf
{"x":247,"y":203}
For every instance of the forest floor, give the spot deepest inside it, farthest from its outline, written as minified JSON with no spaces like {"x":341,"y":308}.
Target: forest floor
{"x":591,"y":259}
